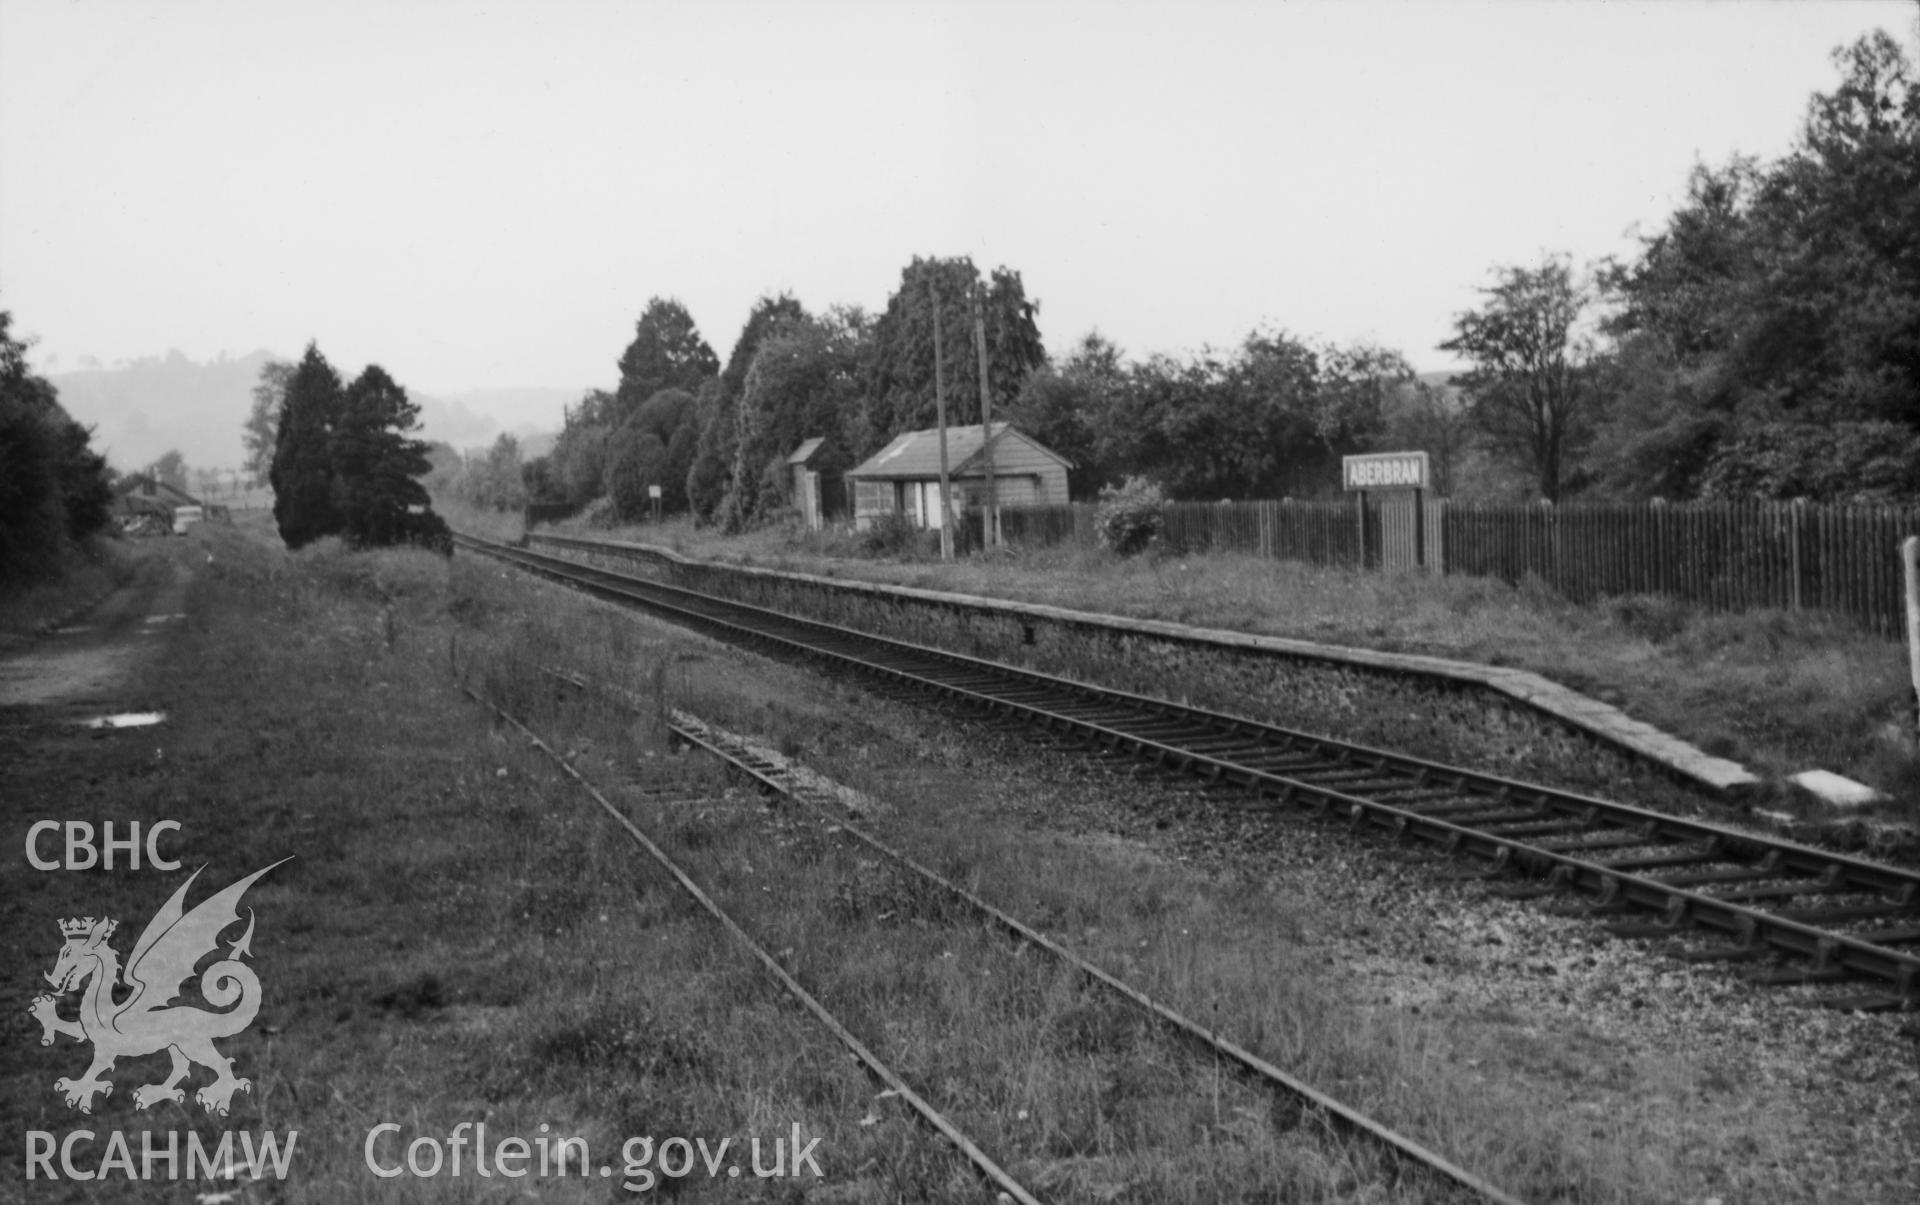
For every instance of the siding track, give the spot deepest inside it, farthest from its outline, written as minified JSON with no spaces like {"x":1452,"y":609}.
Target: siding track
{"x":1009,"y":1188}
{"x":1796,"y":914}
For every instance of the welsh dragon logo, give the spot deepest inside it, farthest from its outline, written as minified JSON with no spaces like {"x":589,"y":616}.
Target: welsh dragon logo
{"x":147,"y":1019}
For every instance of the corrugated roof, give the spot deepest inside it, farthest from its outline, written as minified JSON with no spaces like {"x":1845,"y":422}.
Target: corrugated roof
{"x":916,"y":454}
{"x":805,"y":451}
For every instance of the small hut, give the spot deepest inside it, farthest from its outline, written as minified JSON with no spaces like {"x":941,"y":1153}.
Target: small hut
{"x":814,"y":484}
{"x":904,"y":476}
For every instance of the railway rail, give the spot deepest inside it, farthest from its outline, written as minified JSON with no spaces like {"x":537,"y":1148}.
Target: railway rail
{"x":825,"y":807}
{"x":779,"y":779}
{"x":1009,"y":1188}
{"x":1797,"y":914}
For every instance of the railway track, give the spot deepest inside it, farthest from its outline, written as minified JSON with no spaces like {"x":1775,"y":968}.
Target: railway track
{"x":1789,"y":913}
{"x":810,"y":795}
{"x":1009,"y":1189}
{"x":779,"y":779}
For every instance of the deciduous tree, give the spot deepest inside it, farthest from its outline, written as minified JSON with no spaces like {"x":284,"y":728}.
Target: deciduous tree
{"x":1430,"y":417}
{"x":654,"y":447}
{"x":1530,"y":386}
{"x":803,"y":382}
{"x":259,"y":433}
{"x":54,"y":488}
{"x":1782,"y":293}
{"x":1064,"y":405}
{"x":578,"y":461}
{"x":171,"y":468}
{"x":716,"y":441}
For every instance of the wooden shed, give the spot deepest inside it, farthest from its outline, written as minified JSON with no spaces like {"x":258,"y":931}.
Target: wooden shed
{"x":815,"y":488}
{"x":904,"y":476}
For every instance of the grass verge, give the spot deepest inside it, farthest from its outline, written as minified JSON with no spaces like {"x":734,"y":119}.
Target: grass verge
{"x":86,"y":575}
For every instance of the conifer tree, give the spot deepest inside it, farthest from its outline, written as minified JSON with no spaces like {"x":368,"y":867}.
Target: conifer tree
{"x":302,"y":469}
{"x":377,"y":468}
{"x":343,"y":462}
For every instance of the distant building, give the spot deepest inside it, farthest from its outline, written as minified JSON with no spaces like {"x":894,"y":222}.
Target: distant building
{"x":143,"y":501}
{"x":818,"y":492}
{"x":904,"y":476}
{"x":143,"y":493}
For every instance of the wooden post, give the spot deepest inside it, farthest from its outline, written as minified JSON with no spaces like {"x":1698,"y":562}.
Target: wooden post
{"x":1419,"y":529}
{"x":940,"y":408}
{"x":1360,"y":497}
{"x":989,"y":522}
{"x":1793,"y":551}
{"x":1910,"y":559}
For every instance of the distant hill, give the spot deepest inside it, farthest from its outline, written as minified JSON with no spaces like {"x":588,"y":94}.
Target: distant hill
{"x":142,"y":409}
{"x":533,"y":415}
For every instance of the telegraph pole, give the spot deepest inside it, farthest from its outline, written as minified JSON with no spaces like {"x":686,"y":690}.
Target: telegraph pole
{"x":990,"y":522}
{"x":940,"y":407}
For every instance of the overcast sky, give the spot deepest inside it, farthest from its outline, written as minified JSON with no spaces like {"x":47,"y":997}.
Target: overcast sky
{"x":483,"y":195}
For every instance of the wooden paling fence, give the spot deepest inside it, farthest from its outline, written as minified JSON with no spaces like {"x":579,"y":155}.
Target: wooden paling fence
{"x":1725,"y":556}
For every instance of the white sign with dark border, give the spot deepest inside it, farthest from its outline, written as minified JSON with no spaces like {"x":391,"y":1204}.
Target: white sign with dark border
{"x":1385,"y":471}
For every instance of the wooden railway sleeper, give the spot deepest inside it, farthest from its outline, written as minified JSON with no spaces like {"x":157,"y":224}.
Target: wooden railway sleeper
{"x":1164,"y":729}
{"x":1412,"y":795}
{"x":1464,"y":807}
{"x":1346,"y":772}
{"x":1842,"y":915}
{"x":1289,"y":765}
{"x":1485,"y":819}
{"x":1826,"y":884}
{"x":1375,"y":789}
{"x":1685,"y":855}
{"x":1556,"y":826}
{"x":1222,"y":748}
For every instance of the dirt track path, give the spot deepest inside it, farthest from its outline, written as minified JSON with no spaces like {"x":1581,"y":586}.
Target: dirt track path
{"x":86,"y":668}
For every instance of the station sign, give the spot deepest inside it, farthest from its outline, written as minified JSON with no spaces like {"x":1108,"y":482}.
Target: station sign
{"x":1385,"y":471}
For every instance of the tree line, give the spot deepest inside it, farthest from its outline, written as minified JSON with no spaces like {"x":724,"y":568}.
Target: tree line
{"x":1765,"y":343}
{"x":56,"y":491}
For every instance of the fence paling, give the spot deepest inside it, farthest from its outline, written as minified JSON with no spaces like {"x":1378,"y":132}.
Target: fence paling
{"x":1722,"y":556}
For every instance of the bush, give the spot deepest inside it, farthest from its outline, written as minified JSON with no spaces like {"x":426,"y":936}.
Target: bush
{"x":891,"y":534}
{"x":1129,"y":519}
